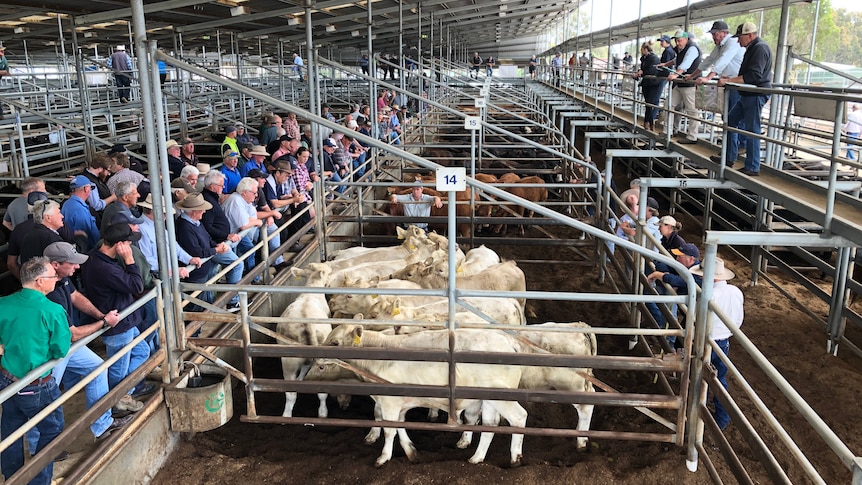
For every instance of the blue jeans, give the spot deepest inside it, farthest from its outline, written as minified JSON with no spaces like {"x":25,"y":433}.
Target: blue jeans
{"x":17,"y":410}
{"x":660,"y":320}
{"x":274,"y":243}
{"x":130,"y":360}
{"x":79,"y":365}
{"x":358,"y":168}
{"x":720,"y":415}
{"x":150,"y":317}
{"x":225,"y":259}
{"x":851,"y":153}
{"x":243,"y":246}
{"x":738,"y":138}
{"x":746,"y":114}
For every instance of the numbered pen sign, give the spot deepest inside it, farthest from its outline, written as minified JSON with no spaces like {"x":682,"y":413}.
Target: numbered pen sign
{"x":472,"y":122}
{"x":483,"y":92}
{"x":479,"y":102}
{"x":451,"y":179}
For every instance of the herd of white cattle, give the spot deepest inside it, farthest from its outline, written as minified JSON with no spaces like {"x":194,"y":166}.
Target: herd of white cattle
{"x":422,"y":262}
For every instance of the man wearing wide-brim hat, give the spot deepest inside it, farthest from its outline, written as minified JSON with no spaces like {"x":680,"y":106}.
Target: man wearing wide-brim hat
{"x":195,"y":239}
{"x":147,"y":243}
{"x":257,"y":161}
{"x":729,"y":300}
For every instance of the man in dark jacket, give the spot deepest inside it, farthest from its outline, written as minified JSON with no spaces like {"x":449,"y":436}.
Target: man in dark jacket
{"x":755,"y":69}
{"x":109,"y":286}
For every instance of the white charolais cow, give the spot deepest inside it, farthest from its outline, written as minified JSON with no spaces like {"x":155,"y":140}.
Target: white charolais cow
{"x":394,"y":408}
{"x":403,"y":234}
{"x":503,"y":311}
{"x":502,"y":277}
{"x":475,"y":261}
{"x":557,"y":378}
{"x":347,"y":305}
{"x":306,"y":305}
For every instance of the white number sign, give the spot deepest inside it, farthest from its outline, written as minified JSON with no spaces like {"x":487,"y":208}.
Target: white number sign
{"x":451,"y":179}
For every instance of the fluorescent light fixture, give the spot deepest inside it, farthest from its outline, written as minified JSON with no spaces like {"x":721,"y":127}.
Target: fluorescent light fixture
{"x":504,"y":7}
{"x":330,"y":28}
{"x":355,"y":33}
{"x":292,"y":21}
{"x":237,"y":11}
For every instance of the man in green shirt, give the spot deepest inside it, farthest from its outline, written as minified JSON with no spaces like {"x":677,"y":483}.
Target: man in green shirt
{"x":33,"y":330}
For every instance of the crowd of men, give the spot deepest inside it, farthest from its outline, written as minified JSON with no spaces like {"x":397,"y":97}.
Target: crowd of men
{"x":84,"y":260}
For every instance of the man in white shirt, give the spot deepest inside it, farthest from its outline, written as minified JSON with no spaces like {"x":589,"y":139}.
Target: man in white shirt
{"x":729,"y":300}
{"x":852,"y":129}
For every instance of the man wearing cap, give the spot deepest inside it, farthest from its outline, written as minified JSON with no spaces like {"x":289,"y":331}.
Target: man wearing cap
{"x":194,"y":238}
{"x":756,"y":69}
{"x":258,"y":156}
{"x":229,"y":143}
{"x":268,"y":214}
{"x":77,"y":215}
{"x":332,"y":169}
{"x":66,"y":260}
{"x":114,"y":286}
{"x":217,"y":225}
{"x":244,"y":154}
{"x":270,"y":133}
{"x":324,"y":112}
{"x":121,"y":64}
{"x":17,"y":211}
{"x":417,"y":204}
{"x":127,"y":197}
{"x":688,"y":255}
{"x":187,"y":152}
{"x":724,"y":61}
{"x":685,"y":65}
{"x":33,"y":331}
{"x":4,"y":71}
{"x":395,"y":126}
{"x":285,"y":147}
{"x":229,"y":169}
{"x":727,"y":298}
{"x":242,"y":135}
{"x":280,"y":189}
{"x":175,"y":162}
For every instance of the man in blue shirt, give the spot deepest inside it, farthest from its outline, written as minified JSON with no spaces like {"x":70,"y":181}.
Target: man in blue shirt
{"x":76,"y":213}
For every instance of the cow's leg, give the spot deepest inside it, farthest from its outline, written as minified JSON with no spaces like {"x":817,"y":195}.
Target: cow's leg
{"x":406,"y":442}
{"x":585,"y":416}
{"x":490,"y":417}
{"x":291,"y":369}
{"x":516,"y":416}
{"x":433,"y":414}
{"x":322,"y":412}
{"x":374,"y":433}
{"x":471,"y":416}
{"x":388,"y":412}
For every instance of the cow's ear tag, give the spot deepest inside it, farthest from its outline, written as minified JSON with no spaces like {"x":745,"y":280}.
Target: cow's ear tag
{"x":396,"y":311}
{"x":357,"y":340}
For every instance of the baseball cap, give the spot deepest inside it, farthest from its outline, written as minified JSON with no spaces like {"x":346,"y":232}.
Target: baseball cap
{"x":230,"y":153}
{"x":285,"y":138}
{"x":664,"y":38}
{"x":680,"y":34}
{"x":63,"y":252}
{"x":120,"y":232}
{"x":687,"y":249}
{"x":34,"y":197}
{"x":117,"y":149}
{"x":652,"y":203}
{"x":746,"y":28}
{"x":329,"y":142}
{"x":229,"y":129}
{"x":256,"y":173}
{"x":80,"y":181}
{"x":719,"y":26}
{"x":669,"y":220}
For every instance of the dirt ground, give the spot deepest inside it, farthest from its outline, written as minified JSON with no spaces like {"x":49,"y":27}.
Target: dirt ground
{"x":249,"y":453}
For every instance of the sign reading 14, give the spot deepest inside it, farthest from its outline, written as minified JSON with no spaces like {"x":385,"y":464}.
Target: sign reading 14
{"x":451,"y":179}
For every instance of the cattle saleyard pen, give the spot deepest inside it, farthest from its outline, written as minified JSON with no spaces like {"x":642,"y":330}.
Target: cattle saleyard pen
{"x":534,"y":225}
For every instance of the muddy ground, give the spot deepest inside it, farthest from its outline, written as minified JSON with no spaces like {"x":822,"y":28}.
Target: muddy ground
{"x":250,"y":453}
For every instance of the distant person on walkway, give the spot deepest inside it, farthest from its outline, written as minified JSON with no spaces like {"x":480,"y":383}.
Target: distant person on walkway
{"x":756,"y":69}
{"x":490,"y":63}
{"x":4,"y":71}
{"x":666,"y":59}
{"x":363,"y":64}
{"x":852,"y":129}
{"x":121,"y":64}
{"x":476,"y":64}
{"x":533,"y":64}
{"x":557,"y":65}
{"x":298,"y":65}
{"x":650,"y":84}
{"x":729,"y":300}
{"x":686,"y":64}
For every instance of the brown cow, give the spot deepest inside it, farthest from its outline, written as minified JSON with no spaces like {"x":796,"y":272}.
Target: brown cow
{"x":532,"y":194}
